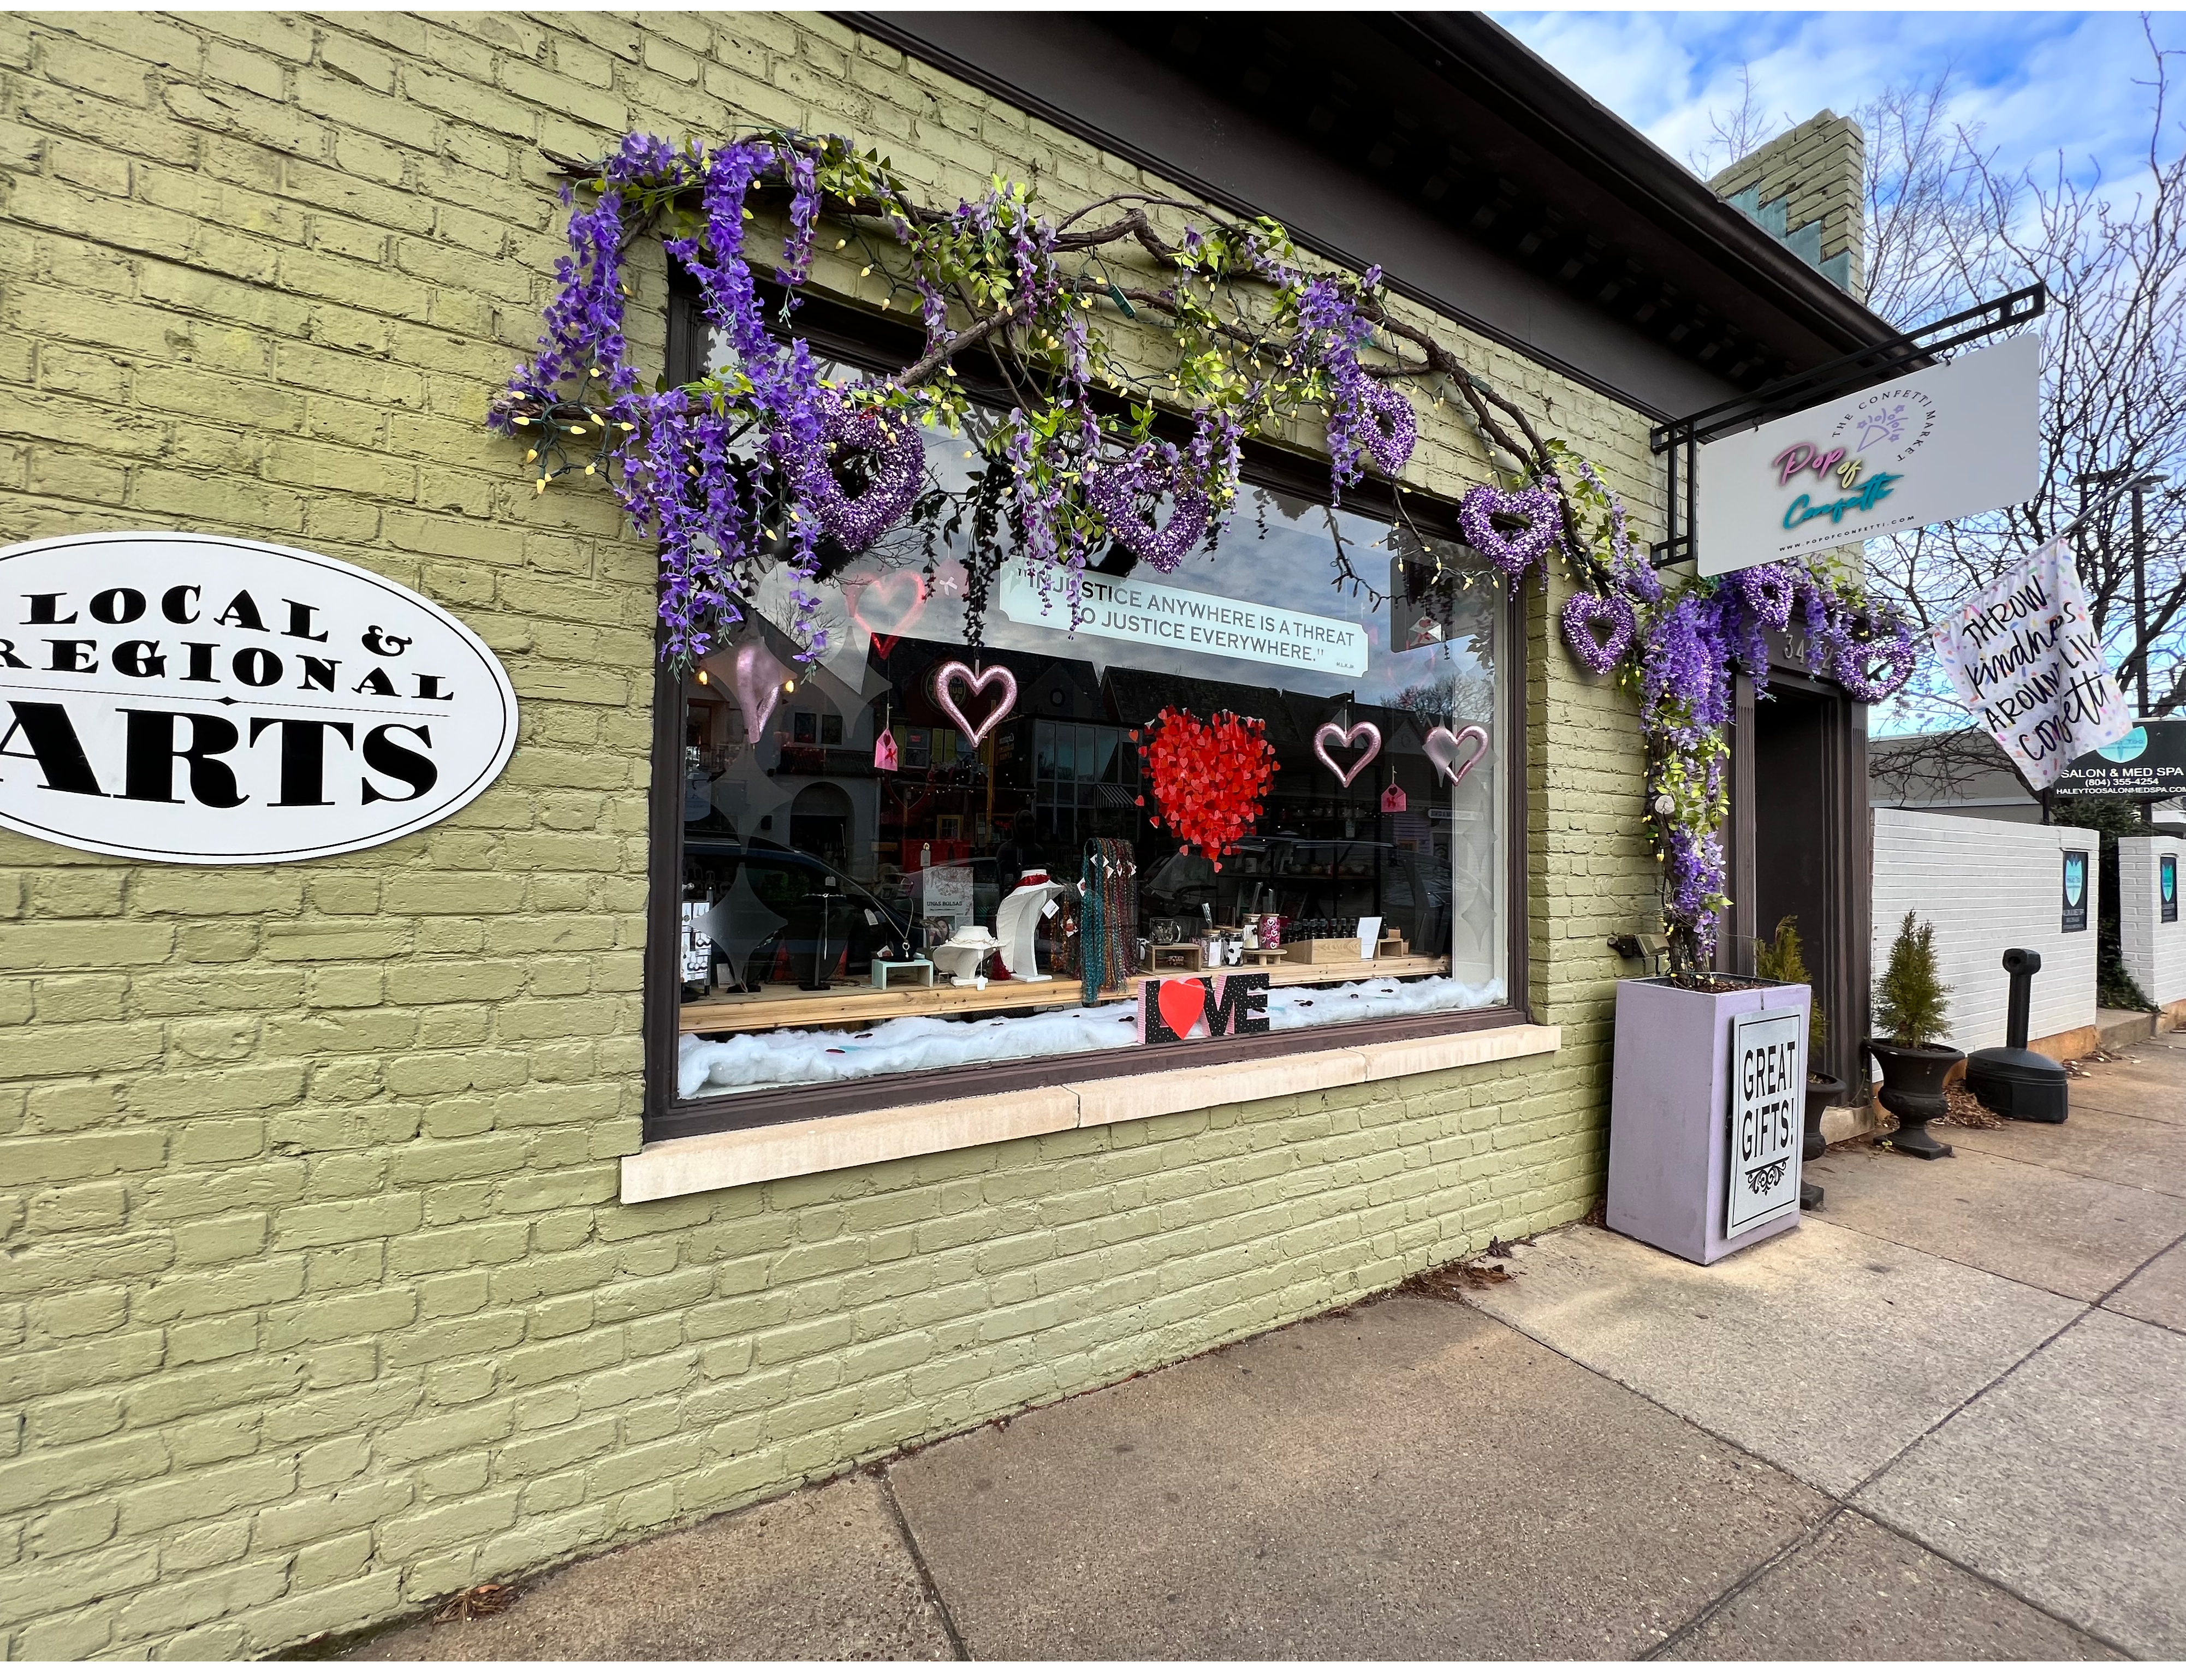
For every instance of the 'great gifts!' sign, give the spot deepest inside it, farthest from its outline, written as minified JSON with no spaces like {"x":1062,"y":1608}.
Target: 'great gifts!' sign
{"x":2025,"y":658}
{"x":207,"y":700}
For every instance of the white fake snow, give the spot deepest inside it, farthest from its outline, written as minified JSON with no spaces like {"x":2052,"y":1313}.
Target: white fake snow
{"x":756,"y":1061}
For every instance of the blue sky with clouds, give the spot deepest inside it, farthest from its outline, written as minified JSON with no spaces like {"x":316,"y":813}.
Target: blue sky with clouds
{"x":2034,"y":82}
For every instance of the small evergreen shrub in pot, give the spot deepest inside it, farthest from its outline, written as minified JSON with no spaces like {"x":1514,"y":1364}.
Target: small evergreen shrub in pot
{"x":1911,"y":1005}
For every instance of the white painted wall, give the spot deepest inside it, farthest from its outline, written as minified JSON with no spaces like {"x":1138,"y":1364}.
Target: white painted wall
{"x":2155,"y":950}
{"x":1988,"y":885}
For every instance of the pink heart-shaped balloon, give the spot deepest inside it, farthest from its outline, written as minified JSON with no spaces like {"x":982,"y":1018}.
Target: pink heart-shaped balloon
{"x":975,"y":682}
{"x":1329,"y":735}
{"x":887,"y":608}
{"x":759,"y":679}
{"x":1443,"y":749}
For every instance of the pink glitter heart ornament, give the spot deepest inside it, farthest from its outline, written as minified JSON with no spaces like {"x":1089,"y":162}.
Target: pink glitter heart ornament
{"x":758,"y":681}
{"x":1330,"y":734}
{"x":1443,"y":749}
{"x":975,"y":682}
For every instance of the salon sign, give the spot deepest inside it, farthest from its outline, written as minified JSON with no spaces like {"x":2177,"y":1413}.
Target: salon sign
{"x":209,"y":700}
{"x":1942,"y":444}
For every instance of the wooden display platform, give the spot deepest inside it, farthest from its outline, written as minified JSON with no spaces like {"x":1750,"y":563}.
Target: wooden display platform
{"x":776,"y":1006}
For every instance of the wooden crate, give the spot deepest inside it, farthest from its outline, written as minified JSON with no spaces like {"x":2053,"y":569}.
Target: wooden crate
{"x":1345,"y":949}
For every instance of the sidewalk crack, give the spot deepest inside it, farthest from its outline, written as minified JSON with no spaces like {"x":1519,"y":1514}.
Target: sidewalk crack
{"x":957,"y":1648}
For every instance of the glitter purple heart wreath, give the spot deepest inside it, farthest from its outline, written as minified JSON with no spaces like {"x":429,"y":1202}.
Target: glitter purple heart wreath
{"x":1534,"y":509}
{"x":1390,"y":430}
{"x":1767,"y":591}
{"x":1118,"y":489}
{"x":1856,"y":662}
{"x":898,"y":457}
{"x":1598,"y":630}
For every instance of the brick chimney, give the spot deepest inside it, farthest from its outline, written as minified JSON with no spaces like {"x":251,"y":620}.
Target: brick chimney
{"x":1806,"y":187}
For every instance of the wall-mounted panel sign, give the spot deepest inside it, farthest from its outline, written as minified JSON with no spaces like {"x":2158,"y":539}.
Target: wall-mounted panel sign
{"x":1768,"y":1112}
{"x":1155,"y":615}
{"x":209,"y":700}
{"x":2148,"y":762}
{"x":1942,"y":444}
{"x":2167,"y":885}
{"x":2074,"y":918}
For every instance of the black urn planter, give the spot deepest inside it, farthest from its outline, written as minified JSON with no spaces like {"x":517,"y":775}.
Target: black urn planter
{"x":1822,"y":1093}
{"x":1913,"y":1089}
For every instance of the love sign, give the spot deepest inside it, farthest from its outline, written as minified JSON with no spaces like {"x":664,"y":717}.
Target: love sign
{"x":209,"y":700}
{"x":1228,"y":1005}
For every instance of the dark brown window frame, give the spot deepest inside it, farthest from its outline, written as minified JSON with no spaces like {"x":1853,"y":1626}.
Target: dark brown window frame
{"x":852,"y":336}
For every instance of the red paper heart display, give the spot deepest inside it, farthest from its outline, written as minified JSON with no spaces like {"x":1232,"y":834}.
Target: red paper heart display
{"x":1208,"y":777}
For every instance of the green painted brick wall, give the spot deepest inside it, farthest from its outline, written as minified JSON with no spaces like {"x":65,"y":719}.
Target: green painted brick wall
{"x":315,"y":1300}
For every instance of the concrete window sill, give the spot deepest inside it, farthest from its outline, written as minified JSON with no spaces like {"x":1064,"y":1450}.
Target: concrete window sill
{"x":686,"y":1165}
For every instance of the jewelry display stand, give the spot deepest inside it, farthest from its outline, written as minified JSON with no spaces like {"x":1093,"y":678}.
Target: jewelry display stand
{"x":1016,"y":925}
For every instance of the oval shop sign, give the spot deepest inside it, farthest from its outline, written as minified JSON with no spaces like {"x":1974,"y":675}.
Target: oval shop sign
{"x":210,"y":700}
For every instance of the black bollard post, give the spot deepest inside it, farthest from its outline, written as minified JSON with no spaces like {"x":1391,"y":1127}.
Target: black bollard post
{"x":2013,"y":1081}
{"x":2022,"y":966}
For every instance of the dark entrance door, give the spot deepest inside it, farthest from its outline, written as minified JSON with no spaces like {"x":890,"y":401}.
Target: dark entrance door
{"x":1800,"y":846}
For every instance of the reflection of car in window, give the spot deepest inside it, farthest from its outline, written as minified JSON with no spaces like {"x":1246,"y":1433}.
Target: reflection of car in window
{"x":832,"y":925}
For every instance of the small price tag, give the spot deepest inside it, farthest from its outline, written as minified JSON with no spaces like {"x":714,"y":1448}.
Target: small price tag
{"x":1048,"y":908}
{"x":871,"y":919}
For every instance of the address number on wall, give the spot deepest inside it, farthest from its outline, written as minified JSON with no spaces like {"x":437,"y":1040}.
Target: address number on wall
{"x":210,"y":700}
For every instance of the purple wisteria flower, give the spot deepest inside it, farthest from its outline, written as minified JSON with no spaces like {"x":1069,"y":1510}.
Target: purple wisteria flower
{"x":1685,"y":668}
{"x":1597,"y":629}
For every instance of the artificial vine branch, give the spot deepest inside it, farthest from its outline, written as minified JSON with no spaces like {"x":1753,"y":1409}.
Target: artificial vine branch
{"x":756,"y":466}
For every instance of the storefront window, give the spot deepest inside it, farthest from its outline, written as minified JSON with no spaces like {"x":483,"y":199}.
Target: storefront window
{"x":929,"y":851}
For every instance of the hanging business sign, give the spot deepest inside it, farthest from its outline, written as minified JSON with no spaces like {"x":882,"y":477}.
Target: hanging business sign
{"x":2075,"y":917}
{"x":210,"y":700}
{"x":2147,"y":762}
{"x":1941,"y":444}
{"x":1768,"y":1113}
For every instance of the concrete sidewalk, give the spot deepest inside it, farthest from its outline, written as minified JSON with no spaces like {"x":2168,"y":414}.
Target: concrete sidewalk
{"x":1946,"y":1419}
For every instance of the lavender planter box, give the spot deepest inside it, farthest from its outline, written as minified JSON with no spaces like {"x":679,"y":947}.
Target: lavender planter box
{"x":1670,"y":1123}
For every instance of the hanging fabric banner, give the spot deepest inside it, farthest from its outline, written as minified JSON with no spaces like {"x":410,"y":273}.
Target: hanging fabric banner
{"x":2026,"y":661}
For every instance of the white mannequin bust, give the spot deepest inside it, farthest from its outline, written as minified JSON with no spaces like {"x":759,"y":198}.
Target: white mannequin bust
{"x":1017,"y":923}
